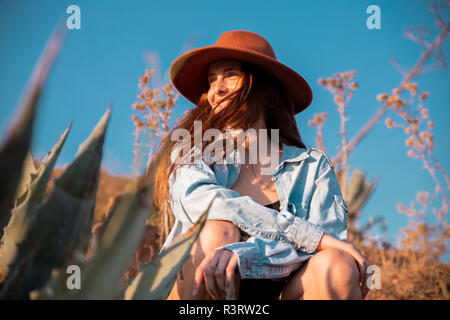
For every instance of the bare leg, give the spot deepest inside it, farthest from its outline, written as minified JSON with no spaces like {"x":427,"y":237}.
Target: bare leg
{"x":329,"y":274}
{"x":215,"y":233}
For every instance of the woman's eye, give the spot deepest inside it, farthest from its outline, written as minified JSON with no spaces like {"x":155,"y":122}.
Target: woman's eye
{"x":230,"y":74}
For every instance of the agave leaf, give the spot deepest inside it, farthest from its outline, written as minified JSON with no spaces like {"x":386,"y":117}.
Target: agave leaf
{"x":12,"y":156}
{"x":80,"y":180}
{"x":45,"y":246}
{"x":14,"y":150}
{"x":359,"y":190}
{"x":40,"y":178}
{"x":101,"y":276}
{"x":156,"y":279}
{"x":87,"y":163}
{"x":62,"y":223}
{"x":23,"y":216}
{"x":28,"y":175}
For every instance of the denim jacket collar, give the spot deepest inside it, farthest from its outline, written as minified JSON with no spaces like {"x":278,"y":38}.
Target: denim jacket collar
{"x":289,"y":154}
{"x":293,"y":154}
{"x":228,"y":174}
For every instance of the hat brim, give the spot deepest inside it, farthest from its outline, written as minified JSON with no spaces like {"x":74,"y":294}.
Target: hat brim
{"x":189,"y":73}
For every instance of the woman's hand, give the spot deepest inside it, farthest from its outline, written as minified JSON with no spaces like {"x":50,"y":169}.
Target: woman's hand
{"x":217,"y":270}
{"x":328,"y":241}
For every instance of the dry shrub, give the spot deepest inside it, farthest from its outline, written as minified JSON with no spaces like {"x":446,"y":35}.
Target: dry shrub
{"x":408,"y":274}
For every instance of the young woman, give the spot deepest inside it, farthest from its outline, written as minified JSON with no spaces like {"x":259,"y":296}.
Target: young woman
{"x":278,"y":222}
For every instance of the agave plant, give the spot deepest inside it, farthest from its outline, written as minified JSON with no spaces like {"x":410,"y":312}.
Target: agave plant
{"x":45,"y":236}
{"x":18,"y":243}
{"x":101,"y":275}
{"x":357,"y":193}
{"x":42,"y":234}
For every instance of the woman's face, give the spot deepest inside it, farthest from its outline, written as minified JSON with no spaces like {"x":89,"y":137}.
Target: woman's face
{"x":224,"y":78}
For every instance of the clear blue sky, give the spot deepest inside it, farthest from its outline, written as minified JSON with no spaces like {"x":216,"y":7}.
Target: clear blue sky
{"x":102,"y":62}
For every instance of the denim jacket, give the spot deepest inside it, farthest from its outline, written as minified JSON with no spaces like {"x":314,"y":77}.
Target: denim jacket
{"x":311,"y":203}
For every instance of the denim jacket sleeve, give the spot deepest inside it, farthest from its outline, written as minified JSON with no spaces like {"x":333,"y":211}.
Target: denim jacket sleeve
{"x":327,"y":207}
{"x":193,"y":186}
{"x":261,"y":258}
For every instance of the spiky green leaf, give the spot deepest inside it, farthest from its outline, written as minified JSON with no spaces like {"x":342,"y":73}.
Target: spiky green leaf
{"x":63,"y":223}
{"x":23,"y":216}
{"x":28,"y":175}
{"x":156,"y":279}
{"x":14,"y":149}
{"x":101,"y":276}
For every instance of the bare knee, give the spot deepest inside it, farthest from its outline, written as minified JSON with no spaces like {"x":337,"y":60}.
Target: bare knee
{"x":337,"y":268}
{"x":217,"y":233}
{"x":329,"y":274}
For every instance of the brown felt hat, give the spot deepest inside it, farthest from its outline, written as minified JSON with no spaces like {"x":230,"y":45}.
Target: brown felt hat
{"x":189,"y":71}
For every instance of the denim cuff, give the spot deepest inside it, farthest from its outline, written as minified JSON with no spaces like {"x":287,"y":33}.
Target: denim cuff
{"x":306,"y":235}
{"x":246,"y":252}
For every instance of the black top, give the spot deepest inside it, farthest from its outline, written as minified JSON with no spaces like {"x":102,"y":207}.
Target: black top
{"x":275,"y":205}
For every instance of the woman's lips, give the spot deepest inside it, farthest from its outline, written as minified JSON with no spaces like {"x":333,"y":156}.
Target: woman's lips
{"x":226,"y":100}
{"x":221,"y":105}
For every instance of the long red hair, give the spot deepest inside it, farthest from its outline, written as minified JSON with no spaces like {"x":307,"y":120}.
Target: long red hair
{"x":260,"y":92}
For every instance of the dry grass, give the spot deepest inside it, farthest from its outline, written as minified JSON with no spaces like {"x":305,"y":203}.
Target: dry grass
{"x":408,"y":274}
